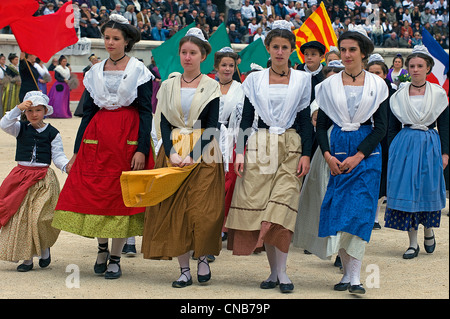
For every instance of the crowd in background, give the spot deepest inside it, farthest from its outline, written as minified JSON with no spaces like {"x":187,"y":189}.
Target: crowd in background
{"x":390,"y":23}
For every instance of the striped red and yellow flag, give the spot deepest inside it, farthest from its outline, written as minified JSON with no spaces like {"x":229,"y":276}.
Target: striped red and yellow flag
{"x":316,"y":28}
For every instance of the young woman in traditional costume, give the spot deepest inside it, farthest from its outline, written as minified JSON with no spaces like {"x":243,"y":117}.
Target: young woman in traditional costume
{"x":313,"y":192}
{"x":28,"y":74}
{"x":191,"y":219}
{"x":418,"y":154}
{"x":350,"y":100}
{"x":29,"y":194}
{"x":265,"y":201}
{"x":59,"y":94}
{"x":114,"y":136}
{"x":11,"y":84}
{"x":230,"y":114}
{"x":377,"y":66}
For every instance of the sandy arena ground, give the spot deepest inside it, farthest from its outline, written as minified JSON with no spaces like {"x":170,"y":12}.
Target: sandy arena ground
{"x":384,"y":273}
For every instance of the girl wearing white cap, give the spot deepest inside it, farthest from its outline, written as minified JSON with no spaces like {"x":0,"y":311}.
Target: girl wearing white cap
{"x":418,"y":154}
{"x":351,"y":101}
{"x":265,"y":200}
{"x":29,"y":193}
{"x":190,"y":220}
{"x":114,"y":136}
{"x":230,"y":114}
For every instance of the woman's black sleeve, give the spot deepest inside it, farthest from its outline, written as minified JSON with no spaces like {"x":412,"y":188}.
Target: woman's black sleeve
{"x":209,"y":116}
{"x":59,"y":77}
{"x":394,"y":127}
{"x":380,"y":122}
{"x":248,"y":116}
{"x":322,"y":126}
{"x":442,"y":124}
{"x":166,"y":135}
{"x":144,"y":100}
{"x":89,"y":110}
{"x":305,"y":129}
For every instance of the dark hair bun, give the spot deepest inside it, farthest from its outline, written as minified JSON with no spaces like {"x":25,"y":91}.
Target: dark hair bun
{"x":130,"y":33}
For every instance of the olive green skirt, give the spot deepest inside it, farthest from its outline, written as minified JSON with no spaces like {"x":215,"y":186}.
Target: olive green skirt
{"x":99,"y":225}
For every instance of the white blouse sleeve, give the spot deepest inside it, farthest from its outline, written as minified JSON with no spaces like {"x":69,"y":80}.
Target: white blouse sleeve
{"x":10,"y":122}
{"x":58,"y":156}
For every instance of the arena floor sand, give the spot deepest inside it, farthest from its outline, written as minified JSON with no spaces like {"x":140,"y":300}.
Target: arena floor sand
{"x":384,"y":273}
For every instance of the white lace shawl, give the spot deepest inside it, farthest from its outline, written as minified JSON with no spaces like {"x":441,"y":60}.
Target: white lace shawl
{"x":134,"y":75}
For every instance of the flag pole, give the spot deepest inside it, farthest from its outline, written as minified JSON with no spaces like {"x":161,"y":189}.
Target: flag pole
{"x":32,"y":75}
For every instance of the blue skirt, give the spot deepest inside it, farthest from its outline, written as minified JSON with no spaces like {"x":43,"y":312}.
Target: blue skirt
{"x":351,"y":200}
{"x":415,"y":177}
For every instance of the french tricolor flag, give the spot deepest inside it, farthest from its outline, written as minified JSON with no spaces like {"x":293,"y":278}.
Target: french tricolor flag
{"x":441,"y":60}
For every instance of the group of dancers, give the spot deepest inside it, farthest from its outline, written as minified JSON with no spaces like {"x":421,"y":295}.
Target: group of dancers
{"x":26,"y":73}
{"x":288,"y":156}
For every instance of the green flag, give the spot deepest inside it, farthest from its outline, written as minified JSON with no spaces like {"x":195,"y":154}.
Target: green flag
{"x":166,"y":55}
{"x":294,"y":58}
{"x":218,"y":40}
{"x":168,"y":60}
{"x":255,"y":52}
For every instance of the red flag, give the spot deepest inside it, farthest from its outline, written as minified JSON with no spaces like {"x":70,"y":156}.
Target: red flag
{"x":45,"y":35}
{"x":13,"y":10}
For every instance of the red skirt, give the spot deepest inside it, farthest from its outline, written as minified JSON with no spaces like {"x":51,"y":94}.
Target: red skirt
{"x":230,"y":181}
{"x":15,"y":187}
{"x":107,"y":148}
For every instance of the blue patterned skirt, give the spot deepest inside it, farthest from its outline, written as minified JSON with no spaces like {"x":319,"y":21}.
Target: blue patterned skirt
{"x":351,"y":199}
{"x":415,"y":180}
{"x":407,"y":221}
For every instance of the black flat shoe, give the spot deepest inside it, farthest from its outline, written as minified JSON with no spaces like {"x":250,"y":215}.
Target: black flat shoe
{"x":342,"y":286}
{"x":203,"y":278}
{"x":114,"y":274}
{"x":24,"y":268}
{"x":413,"y":254}
{"x":99,"y":269}
{"x":430,"y":248}
{"x":338,"y":262}
{"x":45,"y":262}
{"x":286,"y":288}
{"x":268,"y":284}
{"x":182,"y":283}
{"x":357,"y":289}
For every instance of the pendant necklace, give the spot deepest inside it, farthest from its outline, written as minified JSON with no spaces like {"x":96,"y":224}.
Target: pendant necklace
{"x":419,"y":86}
{"x":353,"y":76}
{"x":115,"y":61}
{"x":223,"y":84}
{"x":182,"y":76}
{"x":282,"y":72}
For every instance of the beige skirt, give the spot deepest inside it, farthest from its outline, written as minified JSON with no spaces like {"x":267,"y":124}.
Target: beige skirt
{"x":268,"y":190}
{"x":30,"y":230}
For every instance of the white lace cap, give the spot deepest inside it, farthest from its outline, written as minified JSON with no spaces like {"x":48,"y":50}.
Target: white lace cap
{"x":39,"y":98}
{"x":281,"y":24}
{"x":359,"y":28}
{"x":421,"y":49}
{"x":226,"y":49}
{"x":336,"y":64}
{"x":375,"y":57}
{"x":333,"y":49}
{"x":254,"y":66}
{"x":118,"y":18}
{"x":196,"y":32}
